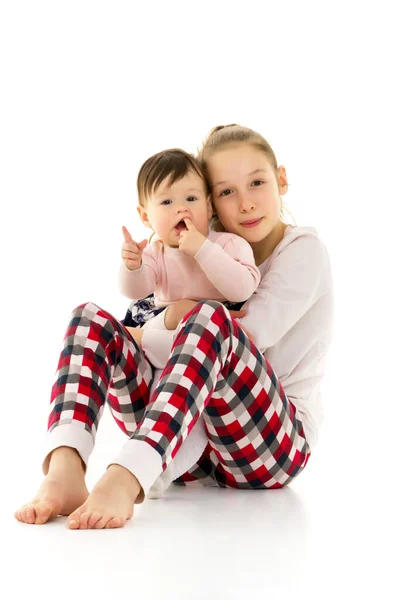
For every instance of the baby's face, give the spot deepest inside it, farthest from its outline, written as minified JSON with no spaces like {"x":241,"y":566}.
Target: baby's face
{"x":170,"y":204}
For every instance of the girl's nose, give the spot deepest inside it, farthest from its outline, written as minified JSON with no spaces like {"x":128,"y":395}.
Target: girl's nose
{"x":245,"y":202}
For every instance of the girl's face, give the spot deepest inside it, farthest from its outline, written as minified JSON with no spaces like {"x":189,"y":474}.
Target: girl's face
{"x":170,"y":204}
{"x":246,"y":194}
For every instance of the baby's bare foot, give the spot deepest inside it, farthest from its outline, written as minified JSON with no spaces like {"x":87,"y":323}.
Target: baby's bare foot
{"x":110,"y":504}
{"x":61,"y":492}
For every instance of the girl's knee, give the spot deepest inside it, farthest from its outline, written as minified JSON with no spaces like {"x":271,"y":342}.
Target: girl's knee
{"x":217,"y":311}
{"x":88,"y":313}
{"x":206,"y":313}
{"x":213,"y":304}
{"x":86,"y":307}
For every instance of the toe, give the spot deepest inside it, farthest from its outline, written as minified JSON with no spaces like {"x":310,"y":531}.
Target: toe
{"x":94,"y":518}
{"x":30,"y":514}
{"x":43,"y":512}
{"x":17,"y":515}
{"x":73,"y":520}
{"x":102,"y":523}
{"x":84,"y":519}
{"x":24,"y":518}
{"x":115,"y":522}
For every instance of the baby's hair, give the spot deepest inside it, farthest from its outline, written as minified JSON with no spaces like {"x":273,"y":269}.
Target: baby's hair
{"x":225,"y":135}
{"x":173,"y":164}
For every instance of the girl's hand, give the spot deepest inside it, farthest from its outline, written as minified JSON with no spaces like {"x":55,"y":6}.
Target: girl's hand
{"x":174,"y":313}
{"x":190,"y":240}
{"x":131,"y":251}
{"x":238,"y":314}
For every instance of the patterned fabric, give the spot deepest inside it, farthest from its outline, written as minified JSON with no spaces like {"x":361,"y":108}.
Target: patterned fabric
{"x":256,"y":441}
{"x":140,"y":311}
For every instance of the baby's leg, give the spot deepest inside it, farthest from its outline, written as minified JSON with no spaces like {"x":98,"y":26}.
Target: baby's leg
{"x":95,"y":347}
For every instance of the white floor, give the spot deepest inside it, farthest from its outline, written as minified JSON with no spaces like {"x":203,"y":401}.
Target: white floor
{"x":331,"y":534}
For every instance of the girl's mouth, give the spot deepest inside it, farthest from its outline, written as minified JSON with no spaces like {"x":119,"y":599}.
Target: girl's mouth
{"x":251,"y":223}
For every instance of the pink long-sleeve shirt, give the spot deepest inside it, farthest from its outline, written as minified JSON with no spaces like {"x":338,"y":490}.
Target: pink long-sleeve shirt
{"x":223,"y":269}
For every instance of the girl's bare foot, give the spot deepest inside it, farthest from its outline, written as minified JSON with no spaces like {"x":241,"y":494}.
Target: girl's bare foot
{"x":110,"y":503}
{"x":61,"y":492}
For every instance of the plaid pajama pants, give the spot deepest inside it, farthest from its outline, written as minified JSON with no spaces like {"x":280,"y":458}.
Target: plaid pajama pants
{"x":255,"y":439}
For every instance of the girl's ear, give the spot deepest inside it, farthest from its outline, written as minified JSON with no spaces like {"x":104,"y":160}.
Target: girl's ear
{"x":282,"y":178}
{"x":143,"y":216}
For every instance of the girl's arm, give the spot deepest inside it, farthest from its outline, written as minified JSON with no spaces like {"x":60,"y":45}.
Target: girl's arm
{"x":228,"y":264}
{"x":297,"y":278}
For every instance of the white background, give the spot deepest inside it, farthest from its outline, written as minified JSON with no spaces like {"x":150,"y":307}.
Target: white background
{"x":89,"y":90}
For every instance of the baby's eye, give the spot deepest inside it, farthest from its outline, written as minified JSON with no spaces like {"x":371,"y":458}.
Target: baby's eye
{"x":257,"y":182}
{"x":166,"y":202}
{"x":225,"y":193}
{"x":191,"y":198}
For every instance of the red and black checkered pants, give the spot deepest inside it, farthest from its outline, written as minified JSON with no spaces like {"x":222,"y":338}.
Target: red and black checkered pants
{"x":255,"y":438}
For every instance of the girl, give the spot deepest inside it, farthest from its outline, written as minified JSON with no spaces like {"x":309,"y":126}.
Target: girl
{"x":260,"y":400}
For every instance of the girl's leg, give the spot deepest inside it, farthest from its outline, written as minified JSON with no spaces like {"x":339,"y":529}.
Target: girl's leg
{"x":256,"y":440}
{"x":99,"y":361}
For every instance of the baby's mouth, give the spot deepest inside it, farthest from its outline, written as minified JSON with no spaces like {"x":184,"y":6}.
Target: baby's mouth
{"x":181,"y":226}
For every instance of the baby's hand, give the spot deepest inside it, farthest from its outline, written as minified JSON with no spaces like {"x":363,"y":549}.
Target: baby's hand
{"x":190,"y":240}
{"x":131,"y":251}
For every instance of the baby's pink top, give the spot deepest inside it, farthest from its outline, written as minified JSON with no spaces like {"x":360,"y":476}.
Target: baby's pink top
{"x":223,"y":269}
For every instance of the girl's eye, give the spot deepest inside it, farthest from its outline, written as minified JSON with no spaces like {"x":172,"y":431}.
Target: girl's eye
{"x":225,"y":192}
{"x":191,"y":198}
{"x":166,"y":202}
{"x":257,"y":182}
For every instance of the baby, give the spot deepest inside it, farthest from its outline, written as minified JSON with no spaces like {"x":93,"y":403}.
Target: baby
{"x":187,"y":260}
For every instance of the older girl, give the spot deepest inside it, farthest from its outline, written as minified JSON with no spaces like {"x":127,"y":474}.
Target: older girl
{"x":260,"y":400}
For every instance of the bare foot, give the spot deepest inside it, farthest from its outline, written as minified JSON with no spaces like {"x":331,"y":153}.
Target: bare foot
{"x":61,"y":492}
{"x":110,"y":504}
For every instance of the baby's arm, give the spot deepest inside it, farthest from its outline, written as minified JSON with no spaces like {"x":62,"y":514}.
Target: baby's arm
{"x":141,"y":282}
{"x":229,"y":265}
